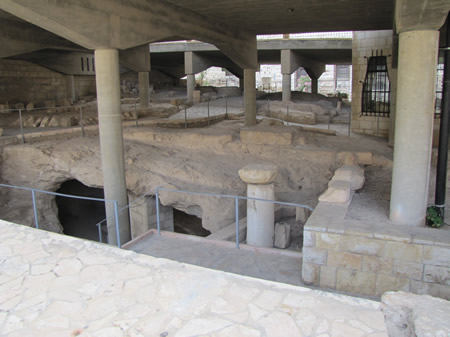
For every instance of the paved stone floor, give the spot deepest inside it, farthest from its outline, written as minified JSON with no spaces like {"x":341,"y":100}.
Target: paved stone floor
{"x":53,"y":285}
{"x":276,"y":266}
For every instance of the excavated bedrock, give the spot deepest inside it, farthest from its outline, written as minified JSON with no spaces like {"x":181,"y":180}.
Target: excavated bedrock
{"x":202,"y":160}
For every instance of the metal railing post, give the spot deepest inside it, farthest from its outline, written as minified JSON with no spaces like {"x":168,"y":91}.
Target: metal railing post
{"x":208,"y":112}
{"x":81,"y":122}
{"x":226,"y":107}
{"x":237,"y":221}
{"x":158,"y":226}
{"x":185,"y":117}
{"x":99,"y":227}
{"x":36,"y":221}
{"x":268,"y":106}
{"x":116,"y":215}
{"x":21,"y":126}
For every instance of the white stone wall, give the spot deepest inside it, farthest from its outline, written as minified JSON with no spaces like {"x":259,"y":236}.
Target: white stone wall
{"x":365,"y":44}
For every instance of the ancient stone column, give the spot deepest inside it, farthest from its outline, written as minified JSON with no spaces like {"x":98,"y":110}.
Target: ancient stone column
{"x":416,"y":78}
{"x":144,"y":89}
{"x":111,"y":140}
{"x":260,"y":214}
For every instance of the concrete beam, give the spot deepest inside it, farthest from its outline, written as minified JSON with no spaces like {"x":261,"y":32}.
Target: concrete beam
{"x":19,"y":37}
{"x":290,"y":62}
{"x":69,"y":63}
{"x":314,"y":69}
{"x":123,"y":25}
{"x":136,"y":59}
{"x":420,"y":15}
{"x":195,"y":63}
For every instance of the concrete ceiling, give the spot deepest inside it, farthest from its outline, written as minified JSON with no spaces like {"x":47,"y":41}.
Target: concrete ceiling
{"x":296,"y":16}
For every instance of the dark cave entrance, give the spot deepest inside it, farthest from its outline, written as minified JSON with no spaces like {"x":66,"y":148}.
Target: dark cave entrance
{"x":78,"y":217}
{"x":188,"y":224}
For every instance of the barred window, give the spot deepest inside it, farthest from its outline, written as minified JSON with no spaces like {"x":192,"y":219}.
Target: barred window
{"x":376,"y":93}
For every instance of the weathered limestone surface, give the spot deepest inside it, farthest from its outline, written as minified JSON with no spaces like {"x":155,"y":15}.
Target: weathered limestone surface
{"x":408,"y":315}
{"x":338,"y":192}
{"x":282,"y":235}
{"x":258,"y":173}
{"x":54,"y":285}
{"x":352,"y":174}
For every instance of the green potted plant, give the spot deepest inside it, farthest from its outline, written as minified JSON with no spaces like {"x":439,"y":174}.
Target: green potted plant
{"x":434,"y":217}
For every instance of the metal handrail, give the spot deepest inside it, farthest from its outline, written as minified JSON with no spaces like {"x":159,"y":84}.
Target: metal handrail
{"x":36,"y":221}
{"x":235,"y":197}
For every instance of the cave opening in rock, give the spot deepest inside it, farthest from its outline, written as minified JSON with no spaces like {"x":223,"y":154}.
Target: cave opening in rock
{"x":78,"y":217}
{"x":188,"y":224}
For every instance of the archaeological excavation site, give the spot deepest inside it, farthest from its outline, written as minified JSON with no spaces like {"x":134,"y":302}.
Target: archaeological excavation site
{"x":228,"y":168}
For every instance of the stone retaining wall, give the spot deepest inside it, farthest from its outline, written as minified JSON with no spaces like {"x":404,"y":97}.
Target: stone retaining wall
{"x":370,"y":258}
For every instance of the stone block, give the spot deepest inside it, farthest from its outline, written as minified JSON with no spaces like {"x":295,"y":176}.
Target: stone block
{"x":30,"y":106}
{"x":410,"y":270}
{"x":435,"y":274}
{"x":328,"y":277}
{"x":358,"y":282}
{"x":302,"y":214}
{"x":310,"y":273}
{"x":347,"y":158}
{"x":432,"y":289}
{"x":390,"y":283}
{"x":435,"y":255}
{"x":258,"y":173}
{"x":309,"y":239}
{"x":352,"y":174}
{"x":364,"y":158}
{"x":362,"y":245}
{"x":378,"y":265}
{"x":403,"y":251}
{"x":266,"y":137}
{"x":328,"y":241}
{"x":315,"y":255}
{"x":282,"y":235}
{"x":20,"y":106}
{"x":345,"y":260}
{"x":337,"y":192}
{"x":67,"y":121}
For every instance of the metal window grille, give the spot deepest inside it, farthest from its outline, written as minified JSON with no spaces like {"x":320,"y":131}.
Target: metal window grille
{"x":439,"y":86}
{"x":376,"y":94}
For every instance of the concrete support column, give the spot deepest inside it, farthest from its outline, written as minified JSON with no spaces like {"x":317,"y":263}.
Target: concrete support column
{"x":190,"y":87}
{"x":250,"y":97}
{"x":70,"y":84}
{"x":111,"y":140}
{"x":416,"y":80}
{"x":393,"y":105}
{"x":260,"y":214}
{"x":144,"y":89}
{"x":314,"y":85}
{"x":286,"y":86}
